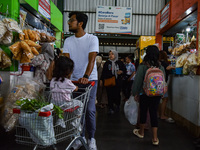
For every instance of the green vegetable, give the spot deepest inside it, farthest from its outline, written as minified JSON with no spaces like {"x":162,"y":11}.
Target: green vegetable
{"x":32,"y":105}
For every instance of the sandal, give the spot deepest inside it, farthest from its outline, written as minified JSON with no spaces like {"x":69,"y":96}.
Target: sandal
{"x":155,"y":142}
{"x":136,"y":132}
{"x":170,"y":120}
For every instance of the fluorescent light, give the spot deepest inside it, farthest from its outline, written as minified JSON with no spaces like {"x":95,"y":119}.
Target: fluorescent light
{"x":188,"y":29}
{"x":188,"y":11}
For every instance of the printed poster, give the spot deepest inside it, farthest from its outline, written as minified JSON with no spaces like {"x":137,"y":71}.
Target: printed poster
{"x":111,"y":19}
{"x":45,"y":9}
{"x":164,"y":20}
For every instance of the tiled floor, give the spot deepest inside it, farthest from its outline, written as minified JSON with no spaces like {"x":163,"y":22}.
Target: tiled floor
{"x":115,"y":133}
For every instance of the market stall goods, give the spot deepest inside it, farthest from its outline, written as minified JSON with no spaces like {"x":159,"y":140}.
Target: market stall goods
{"x":24,"y":58}
{"x":31,"y":43}
{"x":15,"y":48}
{"x":26,"y":88}
{"x":26,"y":37}
{"x":24,"y":51}
{"x":34,"y":51}
{"x":3,"y":29}
{"x":36,"y":35}
{"x":181,"y":60}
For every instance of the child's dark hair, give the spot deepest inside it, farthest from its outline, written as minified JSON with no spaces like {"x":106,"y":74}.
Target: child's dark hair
{"x":130,"y":57}
{"x":63,"y":68}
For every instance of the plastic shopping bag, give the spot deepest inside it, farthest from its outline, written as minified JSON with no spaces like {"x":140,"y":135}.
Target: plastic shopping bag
{"x":40,"y":128}
{"x":131,"y":110}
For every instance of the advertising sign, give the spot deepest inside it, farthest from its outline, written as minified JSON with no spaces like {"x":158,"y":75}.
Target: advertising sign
{"x":164,"y":17}
{"x":111,"y":19}
{"x":44,"y":9}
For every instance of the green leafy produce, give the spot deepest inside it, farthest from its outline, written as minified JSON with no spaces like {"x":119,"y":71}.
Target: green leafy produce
{"x":31,"y":105}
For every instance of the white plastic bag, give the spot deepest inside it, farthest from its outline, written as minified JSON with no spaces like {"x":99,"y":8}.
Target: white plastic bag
{"x":131,"y":110}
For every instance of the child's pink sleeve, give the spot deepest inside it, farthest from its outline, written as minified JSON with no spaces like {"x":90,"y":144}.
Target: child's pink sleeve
{"x":71,"y":85}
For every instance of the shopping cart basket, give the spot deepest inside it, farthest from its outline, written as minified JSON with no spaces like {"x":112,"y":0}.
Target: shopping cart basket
{"x":43,"y":129}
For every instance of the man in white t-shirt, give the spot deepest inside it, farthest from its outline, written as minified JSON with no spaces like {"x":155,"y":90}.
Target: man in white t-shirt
{"x":82,"y":48}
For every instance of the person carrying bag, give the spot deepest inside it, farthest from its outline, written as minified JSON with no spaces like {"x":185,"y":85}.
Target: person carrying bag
{"x":112,"y":74}
{"x":148,"y":91}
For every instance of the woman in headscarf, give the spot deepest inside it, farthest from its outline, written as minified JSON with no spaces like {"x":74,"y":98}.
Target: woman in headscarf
{"x":42,"y":62}
{"x":113,"y":67}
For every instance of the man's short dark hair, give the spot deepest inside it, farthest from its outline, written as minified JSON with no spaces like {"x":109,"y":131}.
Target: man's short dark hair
{"x":80,"y":17}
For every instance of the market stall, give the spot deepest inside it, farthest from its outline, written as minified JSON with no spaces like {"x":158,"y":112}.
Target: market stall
{"x":25,"y":26}
{"x":180,"y":19}
{"x":141,"y":44}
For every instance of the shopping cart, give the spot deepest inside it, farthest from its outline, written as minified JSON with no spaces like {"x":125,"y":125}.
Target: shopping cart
{"x":45,"y":129}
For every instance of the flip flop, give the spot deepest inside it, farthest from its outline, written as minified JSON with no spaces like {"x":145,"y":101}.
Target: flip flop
{"x":170,"y":120}
{"x":155,"y":142}
{"x":136,"y":132}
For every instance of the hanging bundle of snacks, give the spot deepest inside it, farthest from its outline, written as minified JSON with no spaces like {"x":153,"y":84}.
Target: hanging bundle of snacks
{"x":5,"y":60}
{"x":7,"y":26}
{"x":25,"y":50}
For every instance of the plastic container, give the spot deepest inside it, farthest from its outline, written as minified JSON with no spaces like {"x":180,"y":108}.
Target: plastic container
{"x":179,"y":71}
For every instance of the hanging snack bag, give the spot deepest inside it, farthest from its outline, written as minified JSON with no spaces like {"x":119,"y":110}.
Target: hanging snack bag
{"x":43,"y":36}
{"x":192,"y":59}
{"x":21,"y":36}
{"x":12,"y":25}
{"x":15,"y":48}
{"x":37,"y":35}
{"x":32,"y":44}
{"x":34,"y":51}
{"x":31,"y":35}
{"x":25,"y":47}
{"x":22,"y":18}
{"x":3,"y":30}
{"x":181,"y":60}
{"x":6,"y":61}
{"x":26,"y":37}
{"x":7,"y":38}
{"x":19,"y":55}
{"x":24,"y":59}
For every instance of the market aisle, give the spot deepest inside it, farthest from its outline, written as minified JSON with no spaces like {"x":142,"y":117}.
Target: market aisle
{"x":115,"y":133}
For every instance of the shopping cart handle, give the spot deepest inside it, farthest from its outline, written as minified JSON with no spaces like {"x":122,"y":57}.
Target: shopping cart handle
{"x":92,"y":83}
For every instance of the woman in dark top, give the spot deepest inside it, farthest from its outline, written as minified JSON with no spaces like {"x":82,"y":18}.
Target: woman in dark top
{"x":113,"y":67}
{"x":168,"y":68}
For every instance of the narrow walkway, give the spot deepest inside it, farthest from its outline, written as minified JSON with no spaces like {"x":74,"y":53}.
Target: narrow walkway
{"x":115,"y":133}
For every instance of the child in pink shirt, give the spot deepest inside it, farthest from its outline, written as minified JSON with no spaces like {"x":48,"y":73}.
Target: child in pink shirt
{"x":62,"y":87}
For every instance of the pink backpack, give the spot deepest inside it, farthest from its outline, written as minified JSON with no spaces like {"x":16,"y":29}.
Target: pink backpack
{"x":154,"y":82}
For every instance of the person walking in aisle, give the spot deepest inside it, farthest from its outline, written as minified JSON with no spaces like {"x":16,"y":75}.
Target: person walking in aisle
{"x":116,"y":68}
{"x":101,"y":97}
{"x":168,"y":68}
{"x":147,"y":103}
{"x":130,"y":73}
{"x":82,"y":48}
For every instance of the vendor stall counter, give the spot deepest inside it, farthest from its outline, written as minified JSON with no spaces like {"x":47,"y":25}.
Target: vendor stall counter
{"x":184,"y":97}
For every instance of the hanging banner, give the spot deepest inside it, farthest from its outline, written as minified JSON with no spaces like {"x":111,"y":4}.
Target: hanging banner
{"x":45,"y":9}
{"x":164,"y":17}
{"x":111,"y":19}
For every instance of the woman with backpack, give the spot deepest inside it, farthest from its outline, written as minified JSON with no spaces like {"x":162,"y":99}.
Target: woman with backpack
{"x":149,"y":97}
